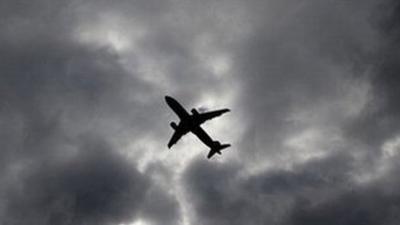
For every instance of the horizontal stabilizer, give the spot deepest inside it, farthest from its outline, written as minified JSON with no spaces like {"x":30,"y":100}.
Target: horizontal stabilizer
{"x":217,"y":149}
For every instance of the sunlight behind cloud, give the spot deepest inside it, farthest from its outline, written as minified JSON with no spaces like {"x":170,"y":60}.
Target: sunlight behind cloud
{"x":220,"y":65}
{"x":138,"y":222}
{"x":305,"y":145}
{"x":149,"y":149}
{"x":118,"y":40}
{"x":110,"y":30}
{"x":390,"y":150}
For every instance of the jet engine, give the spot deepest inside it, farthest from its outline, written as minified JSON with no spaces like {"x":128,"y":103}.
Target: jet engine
{"x":173,"y":125}
{"x":194,"y":111}
{"x":216,"y":143}
{"x":218,"y":146}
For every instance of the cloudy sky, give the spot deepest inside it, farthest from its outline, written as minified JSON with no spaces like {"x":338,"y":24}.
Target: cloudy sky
{"x":313,"y":88}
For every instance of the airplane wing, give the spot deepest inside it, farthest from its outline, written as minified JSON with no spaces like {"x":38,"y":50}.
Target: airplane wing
{"x":210,"y":115}
{"x":203,"y":136}
{"x":175,"y":138}
{"x":178,"y":109}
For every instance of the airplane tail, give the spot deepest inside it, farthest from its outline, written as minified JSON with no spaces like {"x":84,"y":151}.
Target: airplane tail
{"x":216,"y":148}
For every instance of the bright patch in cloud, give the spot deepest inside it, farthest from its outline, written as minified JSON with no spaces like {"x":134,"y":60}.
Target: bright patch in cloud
{"x":220,"y":65}
{"x":311,"y":143}
{"x":391,"y":148}
{"x":137,"y":222}
{"x":110,"y":30}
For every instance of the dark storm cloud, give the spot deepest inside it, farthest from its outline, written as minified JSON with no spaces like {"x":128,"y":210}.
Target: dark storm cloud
{"x":317,"y":192}
{"x":375,"y":202}
{"x":43,"y":120}
{"x":300,"y":55}
{"x":54,"y":91}
{"x":160,"y":208}
{"x":64,"y":106}
{"x":299,"y":62}
{"x":380,"y":120}
{"x":95,"y":186}
{"x":68,"y":105}
{"x":222,"y":195}
{"x":366,"y":206}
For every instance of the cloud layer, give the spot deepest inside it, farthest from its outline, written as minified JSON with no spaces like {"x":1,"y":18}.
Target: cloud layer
{"x":314,"y":126}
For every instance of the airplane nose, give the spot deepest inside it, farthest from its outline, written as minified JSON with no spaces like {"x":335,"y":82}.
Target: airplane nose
{"x":167,"y":98}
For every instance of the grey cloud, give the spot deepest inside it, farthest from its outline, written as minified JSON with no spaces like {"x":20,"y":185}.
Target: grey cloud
{"x":301,"y":55}
{"x":95,"y":186}
{"x":373,"y":202}
{"x":54,"y":89}
{"x":366,"y":206}
{"x":222,"y":195}
{"x":160,"y":207}
{"x":300,"y":63}
{"x":212,"y":192}
{"x":320,"y":191}
{"x":65,"y":108}
{"x":379,"y":121}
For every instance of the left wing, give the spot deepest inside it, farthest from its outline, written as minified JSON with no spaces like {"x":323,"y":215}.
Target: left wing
{"x":210,"y":115}
{"x":175,"y":138}
{"x":178,"y":108}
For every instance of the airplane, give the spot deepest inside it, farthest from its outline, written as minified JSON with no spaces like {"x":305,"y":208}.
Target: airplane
{"x":191,"y":123}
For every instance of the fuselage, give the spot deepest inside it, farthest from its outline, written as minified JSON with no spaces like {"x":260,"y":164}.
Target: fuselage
{"x":191,"y":123}
{"x":187,"y":121}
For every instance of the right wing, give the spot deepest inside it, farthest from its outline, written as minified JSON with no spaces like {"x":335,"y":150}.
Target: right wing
{"x":203,"y":136}
{"x":210,"y":115}
{"x":175,"y":138}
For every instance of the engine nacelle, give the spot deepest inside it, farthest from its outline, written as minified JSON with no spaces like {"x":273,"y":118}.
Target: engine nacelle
{"x":218,"y":147}
{"x":173,"y":125}
{"x":194,"y":111}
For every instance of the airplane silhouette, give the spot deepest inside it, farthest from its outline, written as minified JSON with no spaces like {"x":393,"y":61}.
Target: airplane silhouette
{"x":191,"y":123}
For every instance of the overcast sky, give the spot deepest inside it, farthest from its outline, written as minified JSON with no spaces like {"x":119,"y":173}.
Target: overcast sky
{"x":313,"y":87}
